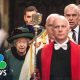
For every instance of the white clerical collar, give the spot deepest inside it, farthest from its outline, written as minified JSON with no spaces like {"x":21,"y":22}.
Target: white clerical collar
{"x":63,"y":42}
{"x":57,"y":45}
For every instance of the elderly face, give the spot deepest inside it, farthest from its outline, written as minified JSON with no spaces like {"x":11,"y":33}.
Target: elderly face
{"x":61,"y":29}
{"x":49,"y":26}
{"x":72,"y":16}
{"x":21,"y":45}
{"x":28,"y":17}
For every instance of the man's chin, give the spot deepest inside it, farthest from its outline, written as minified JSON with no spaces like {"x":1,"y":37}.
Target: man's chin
{"x":72,"y":26}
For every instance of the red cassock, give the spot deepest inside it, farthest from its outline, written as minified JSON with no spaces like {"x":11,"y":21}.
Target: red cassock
{"x":46,"y":61}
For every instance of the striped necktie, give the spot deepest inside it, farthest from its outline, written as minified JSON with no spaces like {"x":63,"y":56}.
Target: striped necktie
{"x":73,"y":35}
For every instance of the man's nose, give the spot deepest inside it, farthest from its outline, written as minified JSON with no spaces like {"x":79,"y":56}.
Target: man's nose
{"x":71,"y":17}
{"x":60,"y":28}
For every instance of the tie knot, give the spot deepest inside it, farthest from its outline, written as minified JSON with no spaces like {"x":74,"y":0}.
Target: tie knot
{"x":73,"y":30}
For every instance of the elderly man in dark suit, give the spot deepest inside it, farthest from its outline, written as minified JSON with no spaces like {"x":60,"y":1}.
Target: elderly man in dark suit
{"x":71,"y":12}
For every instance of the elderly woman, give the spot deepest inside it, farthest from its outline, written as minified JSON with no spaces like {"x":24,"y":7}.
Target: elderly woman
{"x":15,"y":56}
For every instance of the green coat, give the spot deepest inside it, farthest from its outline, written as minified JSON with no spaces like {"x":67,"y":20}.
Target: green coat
{"x":15,"y":63}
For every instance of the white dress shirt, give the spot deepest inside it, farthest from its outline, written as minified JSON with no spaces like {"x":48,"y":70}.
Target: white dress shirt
{"x":76,"y":33}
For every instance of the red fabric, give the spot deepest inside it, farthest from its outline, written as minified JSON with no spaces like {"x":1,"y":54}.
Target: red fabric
{"x":46,"y":61}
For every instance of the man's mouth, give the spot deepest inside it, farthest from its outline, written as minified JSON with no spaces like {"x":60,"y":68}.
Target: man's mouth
{"x":71,"y":23}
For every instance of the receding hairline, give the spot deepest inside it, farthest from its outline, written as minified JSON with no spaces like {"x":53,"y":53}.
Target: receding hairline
{"x":71,"y":6}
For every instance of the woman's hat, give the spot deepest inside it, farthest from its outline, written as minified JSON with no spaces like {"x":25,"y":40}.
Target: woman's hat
{"x":19,"y":33}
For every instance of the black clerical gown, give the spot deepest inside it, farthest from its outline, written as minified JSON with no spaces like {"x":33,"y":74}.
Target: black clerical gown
{"x":60,"y":64}
{"x":72,"y":63}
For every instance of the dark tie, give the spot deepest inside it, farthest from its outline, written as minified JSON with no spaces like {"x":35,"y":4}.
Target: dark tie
{"x":73,"y":35}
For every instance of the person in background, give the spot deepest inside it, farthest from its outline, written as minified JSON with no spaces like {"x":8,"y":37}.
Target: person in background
{"x":43,"y":39}
{"x":28,"y":12}
{"x":59,"y":60}
{"x":49,"y":24}
{"x":71,"y":12}
{"x":28,"y":18}
{"x":15,"y":56}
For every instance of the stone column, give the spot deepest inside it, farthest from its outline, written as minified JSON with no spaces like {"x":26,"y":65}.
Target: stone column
{"x":4,"y":12}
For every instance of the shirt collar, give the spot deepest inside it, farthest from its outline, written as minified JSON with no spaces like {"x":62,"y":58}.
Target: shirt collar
{"x":63,"y":42}
{"x":77,"y":29}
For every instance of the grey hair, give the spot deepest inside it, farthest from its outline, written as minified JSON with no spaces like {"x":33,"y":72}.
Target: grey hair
{"x":54,"y":15}
{"x":71,"y":6}
{"x":62,"y":18}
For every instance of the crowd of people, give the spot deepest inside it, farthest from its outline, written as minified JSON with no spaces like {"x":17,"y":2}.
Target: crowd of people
{"x":53,"y":53}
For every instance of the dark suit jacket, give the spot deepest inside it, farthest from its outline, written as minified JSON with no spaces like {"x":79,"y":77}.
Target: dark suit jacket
{"x":79,"y":36}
